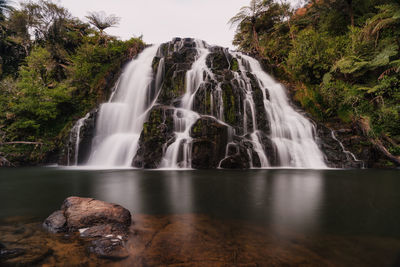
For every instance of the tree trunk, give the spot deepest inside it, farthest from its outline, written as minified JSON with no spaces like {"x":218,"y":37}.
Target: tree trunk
{"x":255,"y":37}
{"x":365,"y":128}
{"x":351,"y":11}
{"x":21,"y":142}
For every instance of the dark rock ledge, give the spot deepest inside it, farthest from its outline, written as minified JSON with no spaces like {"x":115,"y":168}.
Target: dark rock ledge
{"x":103,"y":225}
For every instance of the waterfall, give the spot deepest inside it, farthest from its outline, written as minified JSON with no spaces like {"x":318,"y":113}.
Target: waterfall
{"x":120,"y":121}
{"x":281,"y":138}
{"x":184,"y":117}
{"x":75,"y":138}
{"x":291,"y":133}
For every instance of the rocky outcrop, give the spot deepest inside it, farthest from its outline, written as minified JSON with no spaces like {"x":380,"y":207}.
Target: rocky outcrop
{"x":210,"y":138}
{"x":83,"y":130}
{"x":231,"y":125}
{"x":157,"y":131}
{"x":103,"y":225}
{"x":219,"y":102}
{"x":179,"y":56}
{"x":336,"y":153}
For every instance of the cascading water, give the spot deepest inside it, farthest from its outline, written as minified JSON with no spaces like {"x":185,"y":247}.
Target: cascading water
{"x":76,"y":134}
{"x":349,"y":155}
{"x":291,"y":133}
{"x":184,"y":117}
{"x":120,"y":121}
{"x":281,"y":138}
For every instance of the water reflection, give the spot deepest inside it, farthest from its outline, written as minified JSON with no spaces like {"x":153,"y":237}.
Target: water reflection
{"x":302,"y":200}
{"x":296,"y":199}
{"x":275,"y":197}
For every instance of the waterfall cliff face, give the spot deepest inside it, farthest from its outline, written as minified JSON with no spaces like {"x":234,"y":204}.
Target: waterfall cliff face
{"x":185,"y":104}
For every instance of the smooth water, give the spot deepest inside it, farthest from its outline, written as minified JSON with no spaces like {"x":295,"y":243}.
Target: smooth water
{"x":308,"y":201}
{"x":260,"y":217}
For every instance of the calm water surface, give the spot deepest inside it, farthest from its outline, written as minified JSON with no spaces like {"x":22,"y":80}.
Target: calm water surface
{"x":363,"y":202}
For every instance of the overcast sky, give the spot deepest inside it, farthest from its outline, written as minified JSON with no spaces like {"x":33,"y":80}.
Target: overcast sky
{"x":161,"y":20}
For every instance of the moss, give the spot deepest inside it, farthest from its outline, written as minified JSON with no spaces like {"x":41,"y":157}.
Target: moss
{"x":229,"y":103}
{"x":234,"y":65}
{"x":197,"y":128}
{"x":208,"y":102}
{"x":155,"y":63}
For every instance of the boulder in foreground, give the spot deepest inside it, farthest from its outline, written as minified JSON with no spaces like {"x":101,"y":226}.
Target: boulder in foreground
{"x":104,"y":225}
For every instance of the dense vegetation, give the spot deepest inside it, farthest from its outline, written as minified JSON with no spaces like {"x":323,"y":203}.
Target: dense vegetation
{"x":342,"y":57}
{"x":53,"y":69}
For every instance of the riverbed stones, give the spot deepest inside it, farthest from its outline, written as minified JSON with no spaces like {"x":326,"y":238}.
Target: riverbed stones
{"x":104,"y":225}
{"x":56,"y":222}
{"x":109,"y":248}
{"x":6,"y":254}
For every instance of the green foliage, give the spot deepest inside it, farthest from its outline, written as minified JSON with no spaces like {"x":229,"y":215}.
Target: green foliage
{"x":312,"y":55}
{"x":343,"y":56}
{"x":37,"y":106}
{"x":52,"y":79}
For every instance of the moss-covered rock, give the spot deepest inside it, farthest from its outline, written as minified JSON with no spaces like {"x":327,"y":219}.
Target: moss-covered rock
{"x":210,"y":138}
{"x":157,"y":131}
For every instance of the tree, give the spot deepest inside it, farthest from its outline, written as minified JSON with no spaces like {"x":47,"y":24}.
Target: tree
{"x":249,"y":15}
{"x":101,"y":21}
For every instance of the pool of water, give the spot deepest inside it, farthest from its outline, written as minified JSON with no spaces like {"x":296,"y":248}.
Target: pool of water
{"x":362,"y":203}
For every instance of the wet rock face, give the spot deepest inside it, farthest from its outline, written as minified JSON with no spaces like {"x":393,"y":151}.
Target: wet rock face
{"x":210,"y":138}
{"x":179,"y":55}
{"x":219,"y":102}
{"x":103,"y":225}
{"x":157,"y":131}
{"x":329,"y":143}
{"x":86,"y":133}
{"x":231,"y":101}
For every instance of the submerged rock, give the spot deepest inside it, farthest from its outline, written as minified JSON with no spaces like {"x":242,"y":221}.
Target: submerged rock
{"x":11,"y":253}
{"x":104,"y":225}
{"x":109,"y":248}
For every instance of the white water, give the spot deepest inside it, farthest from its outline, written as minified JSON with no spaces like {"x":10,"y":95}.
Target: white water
{"x":348,"y":153}
{"x":76,"y":131}
{"x":291,"y":133}
{"x":185,"y":117}
{"x":120,"y":121}
{"x":248,"y":102}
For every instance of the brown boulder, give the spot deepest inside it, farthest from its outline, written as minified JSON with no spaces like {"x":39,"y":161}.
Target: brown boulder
{"x":104,"y":225}
{"x":56,"y":222}
{"x":86,"y":212}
